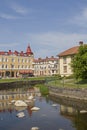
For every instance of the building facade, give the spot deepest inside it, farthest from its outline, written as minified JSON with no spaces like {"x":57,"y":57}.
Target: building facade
{"x":46,"y":67}
{"x":65,"y":60}
{"x":15,"y":64}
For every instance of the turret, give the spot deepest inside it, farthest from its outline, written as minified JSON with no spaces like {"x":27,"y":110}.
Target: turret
{"x":29,"y":51}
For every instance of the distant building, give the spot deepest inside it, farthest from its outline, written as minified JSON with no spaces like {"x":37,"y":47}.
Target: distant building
{"x":65,"y":60}
{"x":15,"y":64}
{"x":46,"y":67}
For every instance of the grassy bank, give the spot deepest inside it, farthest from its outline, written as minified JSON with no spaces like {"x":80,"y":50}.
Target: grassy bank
{"x":52,"y":81}
{"x":43,"y":89}
{"x":20,"y":79}
{"x":68,"y":83}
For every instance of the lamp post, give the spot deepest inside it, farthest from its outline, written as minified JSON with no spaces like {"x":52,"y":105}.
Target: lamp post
{"x":11,"y":70}
{"x":2,"y":66}
{"x":63,"y":80}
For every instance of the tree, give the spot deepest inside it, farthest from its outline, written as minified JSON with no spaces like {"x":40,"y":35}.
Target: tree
{"x":79,"y":63}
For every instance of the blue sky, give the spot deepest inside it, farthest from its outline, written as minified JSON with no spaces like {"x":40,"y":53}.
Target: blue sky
{"x":49,"y":26}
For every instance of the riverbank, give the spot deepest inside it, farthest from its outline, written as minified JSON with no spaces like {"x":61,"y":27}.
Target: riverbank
{"x":62,"y":91}
{"x":72,"y":93}
{"x":20,"y":83}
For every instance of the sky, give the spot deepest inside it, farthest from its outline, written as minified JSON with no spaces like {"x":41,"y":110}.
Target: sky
{"x":48,"y":26}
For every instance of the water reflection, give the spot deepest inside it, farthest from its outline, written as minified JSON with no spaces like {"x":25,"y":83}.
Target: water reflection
{"x":74,"y":111}
{"x":53,"y":113}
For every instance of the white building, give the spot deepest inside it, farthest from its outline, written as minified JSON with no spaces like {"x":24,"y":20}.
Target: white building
{"x":46,"y":67}
{"x":65,"y":60}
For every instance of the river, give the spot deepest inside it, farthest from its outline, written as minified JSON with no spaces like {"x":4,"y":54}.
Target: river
{"x":52,"y":115}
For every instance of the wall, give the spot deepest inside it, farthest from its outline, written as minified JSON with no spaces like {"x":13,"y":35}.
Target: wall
{"x":74,"y":93}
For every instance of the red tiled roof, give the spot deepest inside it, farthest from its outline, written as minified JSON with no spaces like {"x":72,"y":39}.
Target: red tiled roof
{"x":16,"y":52}
{"x":2,"y":52}
{"x":10,"y":52}
{"x":71,"y":51}
{"x":45,"y":60}
{"x":28,"y":52}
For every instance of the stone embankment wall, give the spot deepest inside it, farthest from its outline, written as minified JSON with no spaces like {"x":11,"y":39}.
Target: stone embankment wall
{"x":20,"y":83}
{"x":74,"y":93}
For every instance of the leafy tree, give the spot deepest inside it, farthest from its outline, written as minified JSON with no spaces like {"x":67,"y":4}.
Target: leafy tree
{"x":79,"y":63}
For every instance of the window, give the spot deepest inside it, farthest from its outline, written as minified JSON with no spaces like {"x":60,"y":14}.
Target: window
{"x":12,"y":66}
{"x":2,"y":66}
{"x":52,"y":71}
{"x":22,"y":60}
{"x":2,"y":59}
{"x":6,"y":66}
{"x":13,"y":60}
{"x":65,"y":69}
{"x":18,"y":60}
{"x":64,"y":60}
{"x":6,"y":59}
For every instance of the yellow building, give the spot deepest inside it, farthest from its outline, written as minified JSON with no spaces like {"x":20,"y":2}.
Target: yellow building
{"x":15,"y":64}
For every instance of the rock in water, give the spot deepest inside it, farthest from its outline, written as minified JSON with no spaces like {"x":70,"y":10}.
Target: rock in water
{"x":20,"y":103}
{"x":35,"y":128}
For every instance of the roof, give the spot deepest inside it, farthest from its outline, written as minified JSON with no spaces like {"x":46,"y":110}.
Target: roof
{"x":27,"y":53}
{"x":71,"y":51}
{"x":46,"y":59}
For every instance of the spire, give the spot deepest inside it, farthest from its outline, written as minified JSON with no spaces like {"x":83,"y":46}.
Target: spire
{"x":29,"y":51}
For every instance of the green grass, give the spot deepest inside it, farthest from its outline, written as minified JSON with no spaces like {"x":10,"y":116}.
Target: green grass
{"x":20,"y":79}
{"x":69,"y":83}
{"x":7,"y":80}
{"x":43,"y":89}
{"x":52,"y":81}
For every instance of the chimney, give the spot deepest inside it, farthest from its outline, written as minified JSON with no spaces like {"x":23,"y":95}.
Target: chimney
{"x":46,"y":57}
{"x":21,"y":52}
{"x":52,"y":56}
{"x":81,"y":43}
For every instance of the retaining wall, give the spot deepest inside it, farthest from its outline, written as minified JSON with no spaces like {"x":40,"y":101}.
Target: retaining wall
{"x":74,"y":93}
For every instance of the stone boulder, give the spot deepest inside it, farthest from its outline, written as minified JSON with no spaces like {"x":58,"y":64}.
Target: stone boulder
{"x":20,"y":103}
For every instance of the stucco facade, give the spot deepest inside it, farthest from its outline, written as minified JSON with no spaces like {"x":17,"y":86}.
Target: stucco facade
{"x":64,"y":66}
{"x":46,"y":67}
{"x":65,"y":60}
{"x":14,"y":64}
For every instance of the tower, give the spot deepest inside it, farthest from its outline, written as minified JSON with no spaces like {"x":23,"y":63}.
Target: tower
{"x":29,"y":51}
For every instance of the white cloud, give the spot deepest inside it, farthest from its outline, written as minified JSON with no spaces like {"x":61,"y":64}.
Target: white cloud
{"x":7,"y":16}
{"x":19,"y":9}
{"x":55,"y":38}
{"x":53,"y":43}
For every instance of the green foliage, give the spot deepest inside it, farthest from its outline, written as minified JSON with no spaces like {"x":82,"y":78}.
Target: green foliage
{"x":43,"y":89}
{"x":79,"y":63}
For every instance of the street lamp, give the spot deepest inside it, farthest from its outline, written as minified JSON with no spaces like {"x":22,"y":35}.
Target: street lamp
{"x":11,"y":70}
{"x":63,"y":80}
{"x":2,"y":66}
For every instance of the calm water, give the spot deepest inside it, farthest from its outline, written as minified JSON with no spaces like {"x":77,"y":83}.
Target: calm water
{"x":51,"y":116}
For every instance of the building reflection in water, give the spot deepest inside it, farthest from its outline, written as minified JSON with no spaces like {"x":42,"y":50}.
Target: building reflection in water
{"x":79,"y":119}
{"x":6,"y":96}
{"x":67,"y":111}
